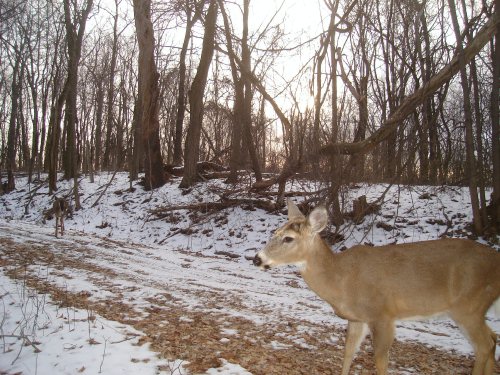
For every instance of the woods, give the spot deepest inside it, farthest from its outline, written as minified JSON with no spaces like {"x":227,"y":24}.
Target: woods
{"x":351,"y":91}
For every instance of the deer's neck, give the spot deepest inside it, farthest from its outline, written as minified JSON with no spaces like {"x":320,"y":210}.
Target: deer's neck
{"x":321,"y":273}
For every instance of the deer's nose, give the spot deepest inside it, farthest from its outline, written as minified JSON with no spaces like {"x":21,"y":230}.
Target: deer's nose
{"x":257,"y":261}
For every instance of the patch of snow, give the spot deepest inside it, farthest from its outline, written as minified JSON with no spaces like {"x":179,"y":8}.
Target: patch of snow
{"x":39,"y":337}
{"x":228,"y":369}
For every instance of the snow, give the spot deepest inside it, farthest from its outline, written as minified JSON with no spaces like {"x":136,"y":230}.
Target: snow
{"x":228,"y":369}
{"x":188,"y":255}
{"x":65,"y":340}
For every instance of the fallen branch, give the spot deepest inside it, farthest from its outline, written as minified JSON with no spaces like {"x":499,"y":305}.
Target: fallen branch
{"x":286,"y":194}
{"x":106,"y":188}
{"x":202,"y":167}
{"x":206,"y":207}
{"x":289,"y":169}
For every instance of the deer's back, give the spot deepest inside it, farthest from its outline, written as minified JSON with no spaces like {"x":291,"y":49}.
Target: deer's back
{"x":422,"y":278}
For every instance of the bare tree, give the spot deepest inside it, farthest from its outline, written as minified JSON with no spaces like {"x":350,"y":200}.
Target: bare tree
{"x":110,"y":116}
{"x":148,"y":93}
{"x":13,"y":121}
{"x":191,"y":17}
{"x":469,"y":133}
{"x":246,"y":103}
{"x":495,"y":125}
{"x":75,"y":21}
{"x":192,"y":147}
{"x":241,"y":135}
{"x":409,"y":103}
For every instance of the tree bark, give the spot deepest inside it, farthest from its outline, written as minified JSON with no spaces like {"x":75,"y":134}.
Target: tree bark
{"x":54,"y":138}
{"x":248,"y":95}
{"x":98,"y":123}
{"x":469,"y":134}
{"x":335,"y":175}
{"x":107,"y":163}
{"x":149,"y":93}
{"x":192,"y":147}
{"x":75,"y":28}
{"x":181,"y":95}
{"x":235,"y":156}
{"x":495,"y":126}
{"x":11,"y":136}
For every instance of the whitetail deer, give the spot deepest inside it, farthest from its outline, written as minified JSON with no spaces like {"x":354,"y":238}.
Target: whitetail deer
{"x":60,"y":208}
{"x":372,"y":287}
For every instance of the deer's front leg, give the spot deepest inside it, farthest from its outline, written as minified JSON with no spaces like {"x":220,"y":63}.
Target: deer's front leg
{"x":356,"y":332}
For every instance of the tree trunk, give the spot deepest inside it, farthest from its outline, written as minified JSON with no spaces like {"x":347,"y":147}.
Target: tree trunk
{"x":135,"y":147}
{"x":98,"y":124}
{"x":247,"y":99}
{"x":469,"y":134}
{"x":335,"y":162}
{"x":479,"y":151}
{"x":35,"y":134}
{"x":192,"y":147}
{"x":52,"y":151}
{"x":424,"y":132}
{"x":235,"y":156}
{"x":75,"y":28}
{"x":495,"y":127}
{"x":149,"y":92}
{"x":11,"y":136}
{"x":181,"y":95}
{"x":110,"y":95}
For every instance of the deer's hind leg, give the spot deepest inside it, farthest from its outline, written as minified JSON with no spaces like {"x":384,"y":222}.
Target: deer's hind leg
{"x":482,"y":339}
{"x":382,"y":337}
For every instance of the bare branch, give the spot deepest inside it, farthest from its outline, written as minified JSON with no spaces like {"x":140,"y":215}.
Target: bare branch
{"x":411,"y":102}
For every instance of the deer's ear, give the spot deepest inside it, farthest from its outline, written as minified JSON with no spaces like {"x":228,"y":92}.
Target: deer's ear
{"x":293,"y":211}
{"x":318,"y":219}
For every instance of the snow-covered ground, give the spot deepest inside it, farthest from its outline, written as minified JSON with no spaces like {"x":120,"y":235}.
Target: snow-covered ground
{"x":117,"y":248}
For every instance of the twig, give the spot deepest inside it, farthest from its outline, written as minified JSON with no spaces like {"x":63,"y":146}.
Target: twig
{"x":103,"y":355}
{"x":128,"y":338}
{"x":25,"y":338}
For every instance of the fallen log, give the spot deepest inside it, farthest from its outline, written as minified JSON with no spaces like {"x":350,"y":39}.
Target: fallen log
{"x":202,"y":168}
{"x":208,"y":207}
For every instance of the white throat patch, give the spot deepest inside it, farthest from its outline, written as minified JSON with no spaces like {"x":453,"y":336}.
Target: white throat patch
{"x":301,"y":265}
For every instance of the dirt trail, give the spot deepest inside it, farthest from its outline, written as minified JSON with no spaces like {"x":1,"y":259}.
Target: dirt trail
{"x":187,"y":316}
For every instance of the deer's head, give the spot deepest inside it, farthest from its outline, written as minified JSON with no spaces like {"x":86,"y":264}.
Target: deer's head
{"x":291,"y":243}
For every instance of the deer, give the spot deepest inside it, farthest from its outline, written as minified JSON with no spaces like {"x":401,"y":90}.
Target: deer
{"x":373,"y":287}
{"x":60,"y":208}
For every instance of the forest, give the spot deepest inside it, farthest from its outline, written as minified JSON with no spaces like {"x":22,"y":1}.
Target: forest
{"x":338,"y":91}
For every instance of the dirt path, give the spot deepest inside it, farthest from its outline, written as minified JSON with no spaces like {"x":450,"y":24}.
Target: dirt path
{"x":194,"y":308}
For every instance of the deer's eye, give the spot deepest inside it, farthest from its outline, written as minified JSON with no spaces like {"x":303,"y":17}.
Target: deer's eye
{"x":287,"y":239}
